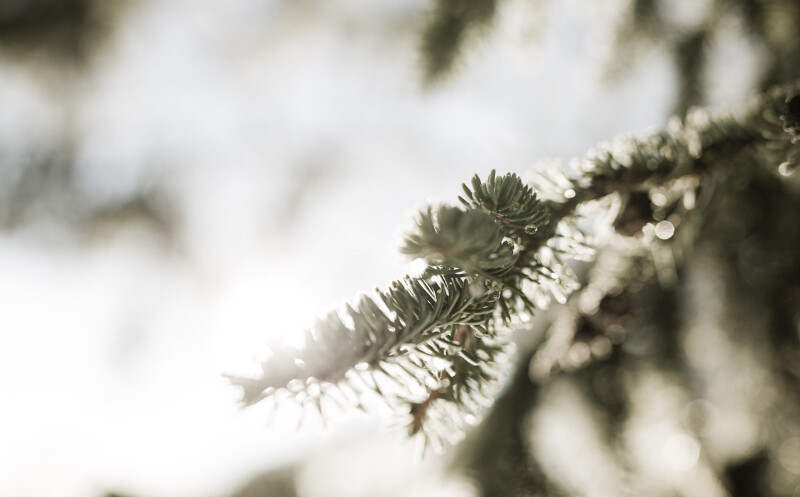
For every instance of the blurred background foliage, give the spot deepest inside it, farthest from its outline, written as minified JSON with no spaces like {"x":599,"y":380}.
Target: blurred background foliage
{"x":178,"y":179}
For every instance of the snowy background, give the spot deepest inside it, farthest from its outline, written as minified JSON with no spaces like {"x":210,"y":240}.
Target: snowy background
{"x":204,"y":176}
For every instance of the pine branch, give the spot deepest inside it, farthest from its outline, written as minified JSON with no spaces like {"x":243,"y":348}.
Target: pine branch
{"x":689,"y":147}
{"x":433,"y":347}
{"x":470,"y":240}
{"x":377,"y":327}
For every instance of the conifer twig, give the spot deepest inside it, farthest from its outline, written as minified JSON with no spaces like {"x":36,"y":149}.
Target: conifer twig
{"x":437,"y":343}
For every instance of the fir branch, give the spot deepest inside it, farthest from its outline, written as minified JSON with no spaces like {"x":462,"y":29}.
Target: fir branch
{"x":410,"y":311}
{"x":703,"y":139}
{"x":471,"y":240}
{"x":510,"y":200}
{"x":441,"y":337}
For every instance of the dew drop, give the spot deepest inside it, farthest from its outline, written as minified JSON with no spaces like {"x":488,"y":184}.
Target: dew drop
{"x":785,"y":169}
{"x":569,"y":193}
{"x":531,"y":229}
{"x":665,"y":230}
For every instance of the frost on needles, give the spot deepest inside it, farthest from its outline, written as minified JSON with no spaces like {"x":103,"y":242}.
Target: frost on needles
{"x":434,"y":349}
